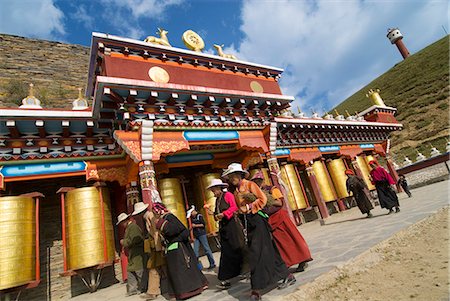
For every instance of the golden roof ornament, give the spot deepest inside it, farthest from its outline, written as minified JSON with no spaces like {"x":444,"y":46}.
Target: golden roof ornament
{"x":375,"y":97}
{"x":80,"y":103}
{"x":162,"y":40}
{"x":31,"y":102}
{"x":339,"y":116}
{"x":193,"y":40}
{"x":219,"y":50}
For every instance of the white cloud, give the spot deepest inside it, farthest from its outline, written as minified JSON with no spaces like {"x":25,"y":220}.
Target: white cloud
{"x":82,"y":16}
{"x":125,"y":15}
{"x":40,"y":19}
{"x":330,"y":49}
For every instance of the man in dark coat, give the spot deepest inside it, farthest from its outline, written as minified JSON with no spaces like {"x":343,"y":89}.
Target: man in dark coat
{"x":404,"y":184}
{"x":356,"y":185}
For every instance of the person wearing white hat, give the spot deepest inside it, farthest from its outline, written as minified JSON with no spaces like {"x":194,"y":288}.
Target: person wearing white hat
{"x":266,"y":265}
{"x":230,"y":233}
{"x":133,"y":241}
{"x":200,"y":238}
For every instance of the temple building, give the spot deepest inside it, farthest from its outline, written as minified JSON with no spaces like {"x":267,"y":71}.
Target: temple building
{"x":166,"y":118}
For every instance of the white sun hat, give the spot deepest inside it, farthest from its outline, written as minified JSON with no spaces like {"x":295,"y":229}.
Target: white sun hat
{"x":123,"y":216}
{"x":189,"y":212}
{"x":217,"y":182}
{"x":139,"y":207}
{"x":234,"y":167}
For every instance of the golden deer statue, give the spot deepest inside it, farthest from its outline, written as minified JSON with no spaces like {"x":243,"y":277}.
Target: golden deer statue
{"x":163,"y":40}
{"x":220,"y":52}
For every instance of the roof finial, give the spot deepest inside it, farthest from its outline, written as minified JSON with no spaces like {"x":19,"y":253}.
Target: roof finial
{"x":80,"y":95}
{"x":336,"y":111}
{"x":348,"y":114}
{"x":298,"y":109}
{"x":30,"y":90}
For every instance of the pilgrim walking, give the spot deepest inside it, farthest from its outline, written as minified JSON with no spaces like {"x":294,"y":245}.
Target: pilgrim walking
{"x":185,"y":277}
{"x":291,"y":244}
{"x":230,"y":233}
{"x":404,"y":184}
{"x":153,"y":247}
{"x":383,"y":181}
{"x":200,"y":238}
{"x":357,"y":186}
{"x":266,"y":265}
{"x":133,"y":242}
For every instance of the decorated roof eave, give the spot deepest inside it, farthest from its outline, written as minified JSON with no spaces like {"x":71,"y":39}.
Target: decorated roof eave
{"x":308,"y":121}
{"x":315,"y":145}
{"x":99,"y":37}
{"x":126,"y":84}
{"x":39,"y":113}
{"x":65,"y":159}
{"x":377,"y":107}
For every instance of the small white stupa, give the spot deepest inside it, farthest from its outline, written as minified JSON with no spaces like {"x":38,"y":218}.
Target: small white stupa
{"x":329,"y":116}
{"x":447,"y":148}
{"x":80,"y":103}
{"x":315,"y":115}
{"x":420,"y":157}
{"x":434,"y":151}
{"x":31,"y":102}
{"x":407,"y":162}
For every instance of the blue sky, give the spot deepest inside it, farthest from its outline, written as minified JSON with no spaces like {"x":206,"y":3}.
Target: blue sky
{"x":328,"y":48}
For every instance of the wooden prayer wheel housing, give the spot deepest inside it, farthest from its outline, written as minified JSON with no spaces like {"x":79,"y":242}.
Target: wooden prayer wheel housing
{"x":337,"y":169}
{"x":296,"y":196}
{"x":172,"y":197}
{"x":19,"y":237}
{"x":89,"y":236}
{"x":365,"y":170}
{"x":324,"y":183}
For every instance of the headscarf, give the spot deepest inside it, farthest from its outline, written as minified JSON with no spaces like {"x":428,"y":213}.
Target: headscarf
{"x":349,"y":172}
{"x":159,"y":208}
{"x":373,"y":162}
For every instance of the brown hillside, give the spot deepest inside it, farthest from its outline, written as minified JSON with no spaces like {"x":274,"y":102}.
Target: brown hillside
{"x":56,"y":70}
{"x":419,"y":88}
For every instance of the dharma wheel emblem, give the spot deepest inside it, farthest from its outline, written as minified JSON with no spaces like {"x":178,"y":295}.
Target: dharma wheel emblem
{"x":193,"y":41}
{"x":158,"y":75}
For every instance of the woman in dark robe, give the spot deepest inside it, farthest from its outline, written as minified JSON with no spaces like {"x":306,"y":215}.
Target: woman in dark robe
{"x":185,"y":278}
{"x":383,"y":181}
{"x":291,"y":244}
{"x":356,"y":185}
{"x":266,"y":265}
{"x":230,"y":232}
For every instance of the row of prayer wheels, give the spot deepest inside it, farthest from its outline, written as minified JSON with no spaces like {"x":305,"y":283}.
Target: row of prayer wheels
{"x":88,"y":236}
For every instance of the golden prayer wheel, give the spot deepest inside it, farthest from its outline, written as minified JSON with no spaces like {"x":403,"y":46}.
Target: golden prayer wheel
{"x":365,"y":170}
{"x":337,"y":169}
{"x":265,"y":172}
{"x":17,"y":241}
{"x":295,"y":190}
{"x":86,"y":213}
{"x":324,"y":183}
{"x":172,"y":196}
{"x":368,"y":159}
{"x":208,"y":199}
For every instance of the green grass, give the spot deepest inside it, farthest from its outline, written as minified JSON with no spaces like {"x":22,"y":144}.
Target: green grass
{"x":419,"y":88}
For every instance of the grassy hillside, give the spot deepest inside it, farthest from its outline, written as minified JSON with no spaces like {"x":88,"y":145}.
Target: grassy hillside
{"x":56,"y":70}
{"x":419,"y":88}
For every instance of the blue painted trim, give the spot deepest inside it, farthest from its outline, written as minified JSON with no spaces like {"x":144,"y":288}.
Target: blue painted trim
{"x":331,"y":148}
{"x":210,"y":135}
{"x":282,"y":152}
{"x":367,"y":146}
{"x":189,"y":158}
{"x":22,"y":170}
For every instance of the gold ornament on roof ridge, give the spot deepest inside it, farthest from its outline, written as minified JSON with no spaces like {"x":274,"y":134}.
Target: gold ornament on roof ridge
{"x":374,"y":95}
{"x":162,"y":40}
{"x":193,"y":40}
{"x":31,"y":102}
{"x":348,"y":114}
{"x":219,"y":50}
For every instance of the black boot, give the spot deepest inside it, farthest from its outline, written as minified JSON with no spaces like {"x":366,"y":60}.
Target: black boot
{"x":397,"y":209}
{"x":391,"y":211}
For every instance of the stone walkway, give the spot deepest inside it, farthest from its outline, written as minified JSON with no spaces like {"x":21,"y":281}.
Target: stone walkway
{"x":344,"y":236}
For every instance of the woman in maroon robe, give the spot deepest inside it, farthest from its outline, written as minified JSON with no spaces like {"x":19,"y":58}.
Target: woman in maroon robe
{"x":291,"y":244}
{"x":383,"y":181}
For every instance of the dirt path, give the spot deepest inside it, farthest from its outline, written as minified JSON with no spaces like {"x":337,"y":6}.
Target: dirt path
{"x":411,"y":265}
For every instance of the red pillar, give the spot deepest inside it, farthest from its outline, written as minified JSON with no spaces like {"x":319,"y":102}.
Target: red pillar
{"x":148,"y":181}
{"x":402,"y":48}
{"x":392,"y":171}
{"x":315,"y":187}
